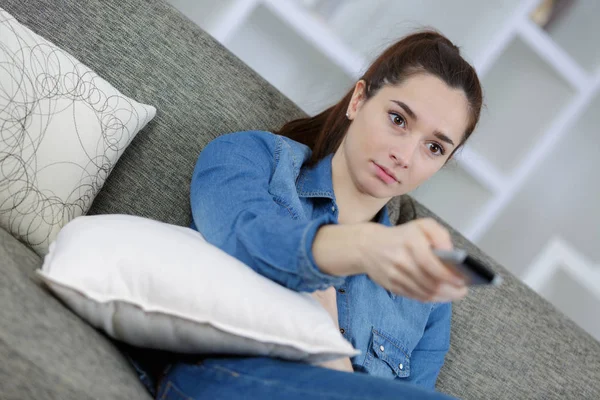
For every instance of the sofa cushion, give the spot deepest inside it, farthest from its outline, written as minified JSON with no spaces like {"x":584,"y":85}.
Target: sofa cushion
{"x":47,"y":352}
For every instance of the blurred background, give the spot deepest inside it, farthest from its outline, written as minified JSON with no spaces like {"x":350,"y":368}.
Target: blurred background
{"x":526,"y":188}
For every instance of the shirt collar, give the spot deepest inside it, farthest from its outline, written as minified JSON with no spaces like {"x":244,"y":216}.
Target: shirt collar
{"x":317,"y":181}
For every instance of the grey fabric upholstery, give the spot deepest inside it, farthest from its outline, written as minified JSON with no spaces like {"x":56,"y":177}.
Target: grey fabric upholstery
{"x":47,"y":352}
{"x":506,"y":343}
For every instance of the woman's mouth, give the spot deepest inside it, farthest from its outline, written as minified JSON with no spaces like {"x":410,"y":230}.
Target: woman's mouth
{"x":384,"y":174}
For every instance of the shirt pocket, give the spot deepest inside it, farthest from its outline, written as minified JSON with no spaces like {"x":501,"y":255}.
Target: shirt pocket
{"x":386,"y":358}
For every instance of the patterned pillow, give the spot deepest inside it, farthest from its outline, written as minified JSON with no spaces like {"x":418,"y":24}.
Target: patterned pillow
{"x":62,"y":129}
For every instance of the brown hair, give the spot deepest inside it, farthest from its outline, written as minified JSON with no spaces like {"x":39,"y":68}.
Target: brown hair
{"x":425,"y":51}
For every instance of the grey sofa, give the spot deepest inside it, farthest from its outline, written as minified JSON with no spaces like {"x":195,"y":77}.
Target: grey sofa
{"x":506,"y":343}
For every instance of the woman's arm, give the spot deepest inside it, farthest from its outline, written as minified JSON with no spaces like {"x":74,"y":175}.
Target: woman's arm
{"x":233,"y":209}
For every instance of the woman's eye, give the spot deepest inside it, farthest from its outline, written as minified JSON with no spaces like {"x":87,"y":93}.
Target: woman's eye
{"x":436,"y":149}
{"x":398,"y":120}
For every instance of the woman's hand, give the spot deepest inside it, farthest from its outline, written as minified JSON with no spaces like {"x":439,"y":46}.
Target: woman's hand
{"x":328,"y":300}
{"x":399,"y":258}
{"x":341,"y":364}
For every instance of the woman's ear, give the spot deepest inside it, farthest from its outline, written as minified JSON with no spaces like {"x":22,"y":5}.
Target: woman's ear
{"x":358,"y":99}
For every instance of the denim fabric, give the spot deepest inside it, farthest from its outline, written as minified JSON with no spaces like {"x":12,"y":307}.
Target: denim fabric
{"x":261,"y":378}
{"x":252,"y":196}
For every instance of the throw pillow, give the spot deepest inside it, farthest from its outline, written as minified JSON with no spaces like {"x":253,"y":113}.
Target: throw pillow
{"x":62,"y":129}
{"x":156,"y":285}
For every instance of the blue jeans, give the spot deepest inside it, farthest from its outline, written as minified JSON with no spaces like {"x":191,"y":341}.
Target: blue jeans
{"x":231,"y":378}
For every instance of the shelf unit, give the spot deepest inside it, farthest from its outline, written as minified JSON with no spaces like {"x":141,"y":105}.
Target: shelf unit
{"x":321,"y":79}
{"x":576,"y":42}
{"x":568,"y":280}
{"x":314,"y":60}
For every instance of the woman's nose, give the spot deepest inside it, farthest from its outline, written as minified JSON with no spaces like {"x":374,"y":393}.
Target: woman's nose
{"x":402,"y":154}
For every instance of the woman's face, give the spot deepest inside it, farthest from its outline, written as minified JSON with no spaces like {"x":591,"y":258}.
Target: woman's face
{"x":402,"y":135}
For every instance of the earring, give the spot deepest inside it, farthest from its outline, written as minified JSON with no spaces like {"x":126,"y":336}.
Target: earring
{"x":347,"y":116}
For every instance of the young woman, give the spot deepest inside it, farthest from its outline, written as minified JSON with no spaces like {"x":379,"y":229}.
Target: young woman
{"x":306,"y":207}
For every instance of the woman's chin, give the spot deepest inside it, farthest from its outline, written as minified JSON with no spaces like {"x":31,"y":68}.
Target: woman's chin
{"x":381,"y":190}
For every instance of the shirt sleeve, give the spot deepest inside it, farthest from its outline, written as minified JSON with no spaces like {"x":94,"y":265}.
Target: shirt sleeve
{"x":428,"y":356}
{"x":232,"y":208}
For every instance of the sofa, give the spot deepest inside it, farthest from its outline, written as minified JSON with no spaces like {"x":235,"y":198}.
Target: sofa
{"x":507,"y":342}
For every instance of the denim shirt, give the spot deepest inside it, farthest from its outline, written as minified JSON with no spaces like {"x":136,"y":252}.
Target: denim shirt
{"x":252,"y":196}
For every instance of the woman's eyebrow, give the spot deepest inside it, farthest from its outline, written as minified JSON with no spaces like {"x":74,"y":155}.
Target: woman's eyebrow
{"x":443,"y":137}
{"x":406,"y":108}
{"x":412,"y":114}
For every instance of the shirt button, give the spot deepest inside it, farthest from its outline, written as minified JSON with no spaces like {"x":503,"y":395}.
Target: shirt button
{"x":342,"y":330}
{"x":381,"y":348}
{"x":401,"y":366}
{"x":332,"y":208}
{"x":342,"y":290}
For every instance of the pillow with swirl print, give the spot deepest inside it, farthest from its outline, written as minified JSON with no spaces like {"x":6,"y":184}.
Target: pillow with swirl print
{"x":62,"y":129}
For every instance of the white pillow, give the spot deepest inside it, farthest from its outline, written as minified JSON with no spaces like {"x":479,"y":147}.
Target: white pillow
{"x":62,"y":129}
{"x":162,"y":286}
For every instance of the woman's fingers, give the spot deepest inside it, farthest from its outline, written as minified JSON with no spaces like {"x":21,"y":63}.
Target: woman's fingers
{"x":432,"y":266}
{"x":415,"y":272}
{"x":405,"y":284}
{"x":436,"y":234}
{"x":449,"y":293}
